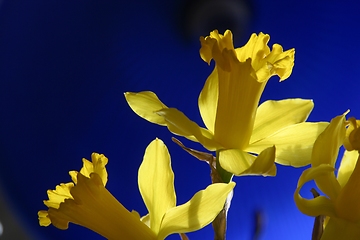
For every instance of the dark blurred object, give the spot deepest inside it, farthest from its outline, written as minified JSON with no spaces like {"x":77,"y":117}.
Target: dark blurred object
{"x":11,"y":226}
{"x":259,"y":223}
{"x":200,"y":17}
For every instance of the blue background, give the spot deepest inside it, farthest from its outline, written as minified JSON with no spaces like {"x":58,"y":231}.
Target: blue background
{"x":64,"y":66}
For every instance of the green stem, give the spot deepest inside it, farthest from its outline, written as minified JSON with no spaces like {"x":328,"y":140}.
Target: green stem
{"x":219,"y":175}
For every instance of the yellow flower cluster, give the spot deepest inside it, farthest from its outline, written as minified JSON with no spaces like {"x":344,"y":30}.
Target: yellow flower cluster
{"x":341,"y":205}
{"x":248,"y":138}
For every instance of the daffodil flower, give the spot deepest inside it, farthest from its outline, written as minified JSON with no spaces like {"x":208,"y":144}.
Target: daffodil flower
{"x":341,"y":204}
{"x":87,"y":202}
{"x":244,"y":134}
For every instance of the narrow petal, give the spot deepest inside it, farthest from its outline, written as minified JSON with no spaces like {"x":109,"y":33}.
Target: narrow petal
{"x":208,"y":100}
{"x":330,"y":140}
{"x":179,"y":124}
{"x":240,"y":163}
{"x":347,"y":166}
{"x":319,"y":205}
{"x":271,"y":116}
{"x":348,"y":201}
{"x":293,"y":144}
{"x":195,"y":214}
{"x":95,"y":208}
{"x":156,"y":182}
{"x":145,"y":104}
{"x":340,"y":229}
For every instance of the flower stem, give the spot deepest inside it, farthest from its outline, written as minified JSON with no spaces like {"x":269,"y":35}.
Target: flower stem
{"x":318,"y":223}
{"x":219,"y":225}
{"x":218,"y":175}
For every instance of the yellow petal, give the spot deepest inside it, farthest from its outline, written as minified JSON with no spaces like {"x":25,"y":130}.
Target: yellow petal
{"x":347,"y":166}
{"x":148,"y":106}
{"x":239,"y":162}
{"x":156,"y":182}
{"x":145,"y":104}
{"x":208,"y":100}
{"x":352,"y":134}
{"x":179,"y":124}
{"x":325,"y":151}
{"x":293,"y":143}
{"x":195,"y":214}
{"x":348,"y":201}
{"x":271,"y":116}
{"x":95,"y":208}
{"x":97,"y":165}
{"x":235,"y":161}
{"x":330,"y":139}
{"x":264,"y":163}
{"x":338,"y":229}
{"x":316,"y":206}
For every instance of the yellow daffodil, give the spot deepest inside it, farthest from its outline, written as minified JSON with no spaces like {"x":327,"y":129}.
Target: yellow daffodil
{"x":341,"y":204}
{"x":244,"y":134}
{"x":87,"y":202}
